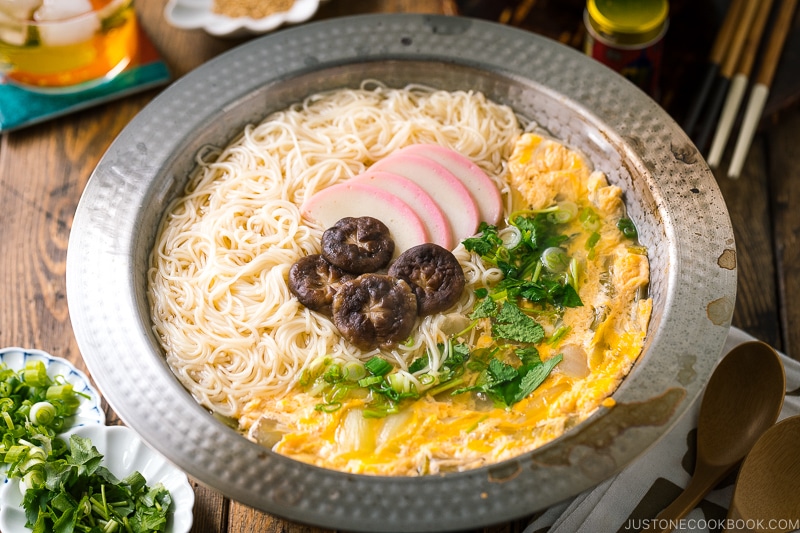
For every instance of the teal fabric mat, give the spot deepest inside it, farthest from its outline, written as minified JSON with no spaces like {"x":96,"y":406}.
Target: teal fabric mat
{"x":20,"y":108}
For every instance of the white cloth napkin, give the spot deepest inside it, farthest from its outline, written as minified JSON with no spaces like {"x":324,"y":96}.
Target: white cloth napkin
{"x":638,"y":493}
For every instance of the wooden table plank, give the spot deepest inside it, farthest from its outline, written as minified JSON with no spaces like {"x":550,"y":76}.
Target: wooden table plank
{"x":784,"y":169}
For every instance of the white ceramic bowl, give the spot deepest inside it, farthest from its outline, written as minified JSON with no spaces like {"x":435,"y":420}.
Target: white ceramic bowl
{"x":124,"y":452}
{"x":198,"y":14}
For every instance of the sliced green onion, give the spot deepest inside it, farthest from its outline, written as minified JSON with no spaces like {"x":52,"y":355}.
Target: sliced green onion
{"x":371,"y":380}
{"x":445,"y":386}
{"x":32,"y":478}
{"x":574,"y":273}
{"x":555,"y":259}
{"x":400,"y":383}
{"x":566,"y":211}
{"x":42,"y":413}
{"x":63,"y":392}
{"x":626,"y":226}
{"x":427,"y":379}
{"x":592,"y":241}
{"x":559,"y":334}
{"x":589,"y":219}
{"x":8,"y":420}
{"x":35,"y":374}
{"x":318,"y":387}
{"x":354,"y":371}
{"x":511,"y":237}
{"x":334,"y":373}
{"x":378,"y":366}
{"x":15,"y":454}
{"x":537,"y":272}
{"x":328,"y":407}
{"x":474,"y":426}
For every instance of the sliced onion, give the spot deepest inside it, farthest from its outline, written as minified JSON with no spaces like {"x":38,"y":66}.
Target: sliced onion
{"x":265,"y":431}
{"x":355,"y":433}
{"x":575,"y":363}
{"x":393,"y":426}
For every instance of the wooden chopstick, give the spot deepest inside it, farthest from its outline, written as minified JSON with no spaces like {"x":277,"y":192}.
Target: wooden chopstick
{"x":738,"y":84}
{"x":715,"y":58}
{"x":726,"y":72}
{"x":760,"y":91}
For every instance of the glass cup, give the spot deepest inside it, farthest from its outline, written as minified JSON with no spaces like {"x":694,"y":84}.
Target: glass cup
{"x":65,"y":45}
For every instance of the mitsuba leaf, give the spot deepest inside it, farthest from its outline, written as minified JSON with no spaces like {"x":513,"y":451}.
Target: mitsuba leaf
{"x":418,"y":364}
{"x":486,"y":242}
{"x":570,"y":297}
{"x":486,"y":308}
{"x":84,"y":454}
{"x":530,"y":377}
{"x":508,"y":385}
{"x":529,"y":355}
{"x":550,"y":291}
{"x":500,"y":372}
{"x":511,"y":323}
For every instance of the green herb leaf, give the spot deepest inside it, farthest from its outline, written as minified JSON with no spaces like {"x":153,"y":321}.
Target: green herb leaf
{"x":508,"y":385}
{"x":500,"y":372}
{"x":511,"y":323}
{"x":486,"y":242}
{"x":418,"y":364}
{"x":531,"y":376}
{"x":486,"y":308}
{"x":529,"y":355}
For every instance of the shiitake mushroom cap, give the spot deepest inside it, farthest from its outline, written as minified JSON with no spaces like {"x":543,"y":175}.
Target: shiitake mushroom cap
{"x":435,"y":275}
{"x":358,"y":244}
{"x":375,"y":311}
{"x":314,"y":281}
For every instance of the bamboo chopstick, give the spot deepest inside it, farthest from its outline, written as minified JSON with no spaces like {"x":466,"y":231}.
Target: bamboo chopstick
{"x":726,"y":72}
{"x":760,"y":91}
{"x":715,"y":58}
{"x":739,"y":84}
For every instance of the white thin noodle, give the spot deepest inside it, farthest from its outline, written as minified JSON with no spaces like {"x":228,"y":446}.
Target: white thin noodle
{"x":220,"y":305}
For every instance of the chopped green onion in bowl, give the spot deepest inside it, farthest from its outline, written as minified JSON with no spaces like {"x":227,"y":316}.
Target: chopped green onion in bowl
{"x":128,"y":478}
{"x":53,"y":439}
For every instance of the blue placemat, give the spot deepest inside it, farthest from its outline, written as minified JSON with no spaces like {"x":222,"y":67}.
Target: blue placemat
{"x":20,"y":107}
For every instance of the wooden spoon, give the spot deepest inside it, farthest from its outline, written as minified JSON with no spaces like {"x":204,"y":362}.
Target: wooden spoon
{"x":742,"y":399}
{"x":767,"y":493}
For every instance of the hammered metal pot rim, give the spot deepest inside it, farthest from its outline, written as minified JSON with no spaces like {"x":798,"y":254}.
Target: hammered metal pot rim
{"x":670,"y":192}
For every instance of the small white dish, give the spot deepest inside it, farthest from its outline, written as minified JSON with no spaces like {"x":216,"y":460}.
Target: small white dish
{"x":124,"y":452}
{"x":89,"y":411}
{"x":194,"y":14}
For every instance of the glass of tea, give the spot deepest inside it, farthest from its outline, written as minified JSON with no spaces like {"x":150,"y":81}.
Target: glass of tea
{"x":58,"y":46}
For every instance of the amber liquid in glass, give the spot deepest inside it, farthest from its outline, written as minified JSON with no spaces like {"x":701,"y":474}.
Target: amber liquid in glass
{"x":102,"y":55}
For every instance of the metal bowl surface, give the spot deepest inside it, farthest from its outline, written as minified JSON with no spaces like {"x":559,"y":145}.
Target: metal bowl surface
{"x":669,"y":191}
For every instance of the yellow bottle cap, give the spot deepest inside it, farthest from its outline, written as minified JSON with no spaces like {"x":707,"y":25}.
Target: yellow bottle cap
{"x":628,"y":21}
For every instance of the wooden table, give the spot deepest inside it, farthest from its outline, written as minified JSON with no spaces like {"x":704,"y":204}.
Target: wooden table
{"x":44,"y":168}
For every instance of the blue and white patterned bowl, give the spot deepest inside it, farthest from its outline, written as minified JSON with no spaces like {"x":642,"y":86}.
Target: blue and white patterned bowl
{"x":89,"y":411}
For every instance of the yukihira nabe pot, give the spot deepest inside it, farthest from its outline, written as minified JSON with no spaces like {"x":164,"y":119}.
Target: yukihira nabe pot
{"x":670,"y":194}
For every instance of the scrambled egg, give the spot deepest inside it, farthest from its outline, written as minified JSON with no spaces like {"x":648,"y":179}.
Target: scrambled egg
{"x":453,"y":433}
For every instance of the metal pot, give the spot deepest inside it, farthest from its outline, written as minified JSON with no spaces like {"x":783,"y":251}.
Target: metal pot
{"x":669,"y":191}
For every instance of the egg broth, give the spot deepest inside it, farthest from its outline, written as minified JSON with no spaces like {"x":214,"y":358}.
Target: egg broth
{"x":595,"y":344}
